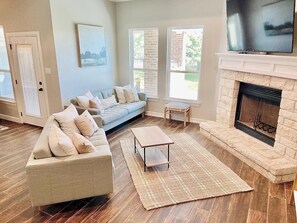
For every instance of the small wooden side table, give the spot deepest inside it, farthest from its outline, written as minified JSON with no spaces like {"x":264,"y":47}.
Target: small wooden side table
{"x":177,"y":107}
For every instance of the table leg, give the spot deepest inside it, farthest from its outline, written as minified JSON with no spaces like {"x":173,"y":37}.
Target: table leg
{"x":189,"y":113}
{"x":168,"y":155}
{"x":165,"y":111}
{"x":185,"y":118}
{"x":144,"y":161}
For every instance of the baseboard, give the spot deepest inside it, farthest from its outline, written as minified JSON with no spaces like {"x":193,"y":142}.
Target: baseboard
{"x":10,"y":118}
{"x":174,"y":117}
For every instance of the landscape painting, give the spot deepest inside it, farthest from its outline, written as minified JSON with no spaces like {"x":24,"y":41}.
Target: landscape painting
{"x":92,"y":47}
{"x":281,"y":24}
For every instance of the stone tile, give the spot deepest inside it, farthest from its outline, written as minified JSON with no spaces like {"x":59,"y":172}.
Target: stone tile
{"x":290,"y":152}
{"x":286,"y":132}
{"x":292,"y":95}
{"x":288,"y":115}
{"x":240,"y":76}
{"x":289,"y":123}
{"x":287,"y":104}
{"x":257,"y":79}
{"x":228,"y":74}
{"x":288,"y":178}
{"x":280,"y":120}
{"x":282,"y":83}
{"x":279,"y":148}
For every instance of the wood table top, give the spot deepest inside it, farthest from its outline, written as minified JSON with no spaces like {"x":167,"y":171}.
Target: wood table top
{"x":151,"y":136}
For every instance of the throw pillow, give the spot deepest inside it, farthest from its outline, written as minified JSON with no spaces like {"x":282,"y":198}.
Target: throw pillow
{"x":60,"y":144}
{"x":82,"y":144}
{"x":66,"y":120}
{"x":96,"y":103}
{"x":86,"y":124}
{"x":131,"y":94}
{"x":83,"y":100}
{"x":109,"y":102}
{"x":120,"y":94}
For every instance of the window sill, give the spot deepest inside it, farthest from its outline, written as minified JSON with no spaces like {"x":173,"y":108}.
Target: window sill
{"x":190,"y":102}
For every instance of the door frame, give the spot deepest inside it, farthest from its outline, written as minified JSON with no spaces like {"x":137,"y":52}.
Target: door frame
{"x":18,"y":95}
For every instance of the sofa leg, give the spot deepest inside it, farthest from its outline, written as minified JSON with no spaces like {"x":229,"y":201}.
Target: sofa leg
{"x":143,"y":114}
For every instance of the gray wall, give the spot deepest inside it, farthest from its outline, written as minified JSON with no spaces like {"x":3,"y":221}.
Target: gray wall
{"x":33,"y":15}
{"x":73,"y":79}
{"x":166,"y":13}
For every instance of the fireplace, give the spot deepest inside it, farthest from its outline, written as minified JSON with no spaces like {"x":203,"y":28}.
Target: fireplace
{"x":257,"y":111}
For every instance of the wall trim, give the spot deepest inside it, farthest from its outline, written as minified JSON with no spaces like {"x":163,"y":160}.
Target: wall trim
{"x":10,"y":118}
{"x":175,"y":117}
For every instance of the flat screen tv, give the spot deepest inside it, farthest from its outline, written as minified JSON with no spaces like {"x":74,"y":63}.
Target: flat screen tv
{"x":260,"y":25}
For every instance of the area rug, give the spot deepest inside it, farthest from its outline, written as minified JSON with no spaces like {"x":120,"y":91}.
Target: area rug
{"x":194,"y":174}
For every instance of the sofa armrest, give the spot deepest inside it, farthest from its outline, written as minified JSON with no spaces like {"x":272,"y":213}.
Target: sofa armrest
{"x":59,"y":179}
{"x":142,"y":96}
{"x":98,"y":120}
{"x":92,"y":111}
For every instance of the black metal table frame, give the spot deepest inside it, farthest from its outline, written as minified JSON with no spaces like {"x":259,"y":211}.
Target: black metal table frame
{"x":144,"y":158}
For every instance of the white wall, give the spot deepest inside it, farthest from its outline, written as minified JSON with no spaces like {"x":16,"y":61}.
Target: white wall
{"x":73,"y":79}
{"x":25,"y":16}
{"x":164,"y":14}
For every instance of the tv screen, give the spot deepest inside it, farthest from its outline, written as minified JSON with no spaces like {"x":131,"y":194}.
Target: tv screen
{"x":260,"y":25}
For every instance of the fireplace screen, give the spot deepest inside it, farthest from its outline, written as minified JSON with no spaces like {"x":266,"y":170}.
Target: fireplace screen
{"x":257,"y":111}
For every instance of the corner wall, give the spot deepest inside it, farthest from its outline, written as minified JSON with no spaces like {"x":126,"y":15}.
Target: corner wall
{"x":26,"y":16}
{"x":75,"y":80}
{"x":168,"y":13}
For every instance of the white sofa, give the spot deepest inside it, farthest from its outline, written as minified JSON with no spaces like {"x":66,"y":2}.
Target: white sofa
{"x":58,"y":179}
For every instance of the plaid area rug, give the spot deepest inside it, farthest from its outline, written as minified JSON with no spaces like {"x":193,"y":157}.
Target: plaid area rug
{"x":194,"y":174}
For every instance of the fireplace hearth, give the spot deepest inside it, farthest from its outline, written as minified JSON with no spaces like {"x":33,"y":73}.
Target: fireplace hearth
{"x":257,"y":111}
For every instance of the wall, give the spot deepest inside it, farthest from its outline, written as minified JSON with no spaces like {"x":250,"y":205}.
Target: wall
{"x":73,"y":79}
{"x":32,"y":15}
{"x":168,"y":13}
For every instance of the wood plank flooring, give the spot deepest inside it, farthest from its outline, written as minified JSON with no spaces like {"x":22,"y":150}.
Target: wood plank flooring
{"x":267,"y":203}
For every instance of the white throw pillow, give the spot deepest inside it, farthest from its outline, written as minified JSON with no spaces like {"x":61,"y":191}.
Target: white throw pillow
{"x":60,"y":144}
{"x":82,"y":144}
{"x":66,"y":120}
{"x":109,"y":102}
{"x":120,"y":94}
{"x":83,"y":100}
{"x":86,"y":124}
{"x":96,"y":103}
{"x":131,"y":94}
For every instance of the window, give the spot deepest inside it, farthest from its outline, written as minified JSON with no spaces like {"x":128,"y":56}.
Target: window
{"x":6,"y":90}
{"x":144,"y":60}
{"x":184,"y":62}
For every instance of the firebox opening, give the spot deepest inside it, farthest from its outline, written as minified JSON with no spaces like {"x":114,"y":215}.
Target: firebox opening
{"x":257,"y":111}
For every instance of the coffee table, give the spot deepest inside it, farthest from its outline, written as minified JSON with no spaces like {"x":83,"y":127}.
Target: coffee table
{"x":148,"y":138}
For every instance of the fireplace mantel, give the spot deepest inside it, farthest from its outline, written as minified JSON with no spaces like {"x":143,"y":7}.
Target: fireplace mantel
{"x":278,"y":66}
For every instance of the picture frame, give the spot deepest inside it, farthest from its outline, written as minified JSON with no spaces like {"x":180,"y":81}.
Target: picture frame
{"x":92,"y":45}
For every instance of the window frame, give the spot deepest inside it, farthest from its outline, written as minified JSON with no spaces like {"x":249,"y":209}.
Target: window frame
{"x":5,"y":99}
{"x":131,"y":58}
{"x":168,"y":65}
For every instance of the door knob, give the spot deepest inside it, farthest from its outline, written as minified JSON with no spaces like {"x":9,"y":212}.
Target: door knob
{"x":40,"y":89}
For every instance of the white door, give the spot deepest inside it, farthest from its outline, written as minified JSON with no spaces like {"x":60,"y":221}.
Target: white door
{"x":26,"y":58}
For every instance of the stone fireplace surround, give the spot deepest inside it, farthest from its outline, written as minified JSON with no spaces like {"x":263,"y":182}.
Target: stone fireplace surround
{"x":278,"y":163}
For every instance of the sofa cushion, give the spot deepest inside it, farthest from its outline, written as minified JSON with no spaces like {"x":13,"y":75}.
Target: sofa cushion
{"x":66,"y":120}
{"x":114,"y":113}
{"x":107,"y":93}
{"x":41,"y":149}
{"x":109,"y":102}
{"x":60,"y":143}
{"x":86,"y":124}
{"x":99,"y":138}
{"x":82,"y":144}
{"x":131,"y":94}
{"x":131,"y":107}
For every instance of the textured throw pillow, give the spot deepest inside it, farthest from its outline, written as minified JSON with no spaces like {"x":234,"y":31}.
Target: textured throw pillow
{"x":86,"y":124}
{"x":109,"y":102}
{"x":96,"y":103}
{"x":60,"y":144}
{"x":120,"y":94}
{"x":131,"y":94}
{"x":83,"y":100}
{"x":66,"y":120}
{"x":82,"y":144}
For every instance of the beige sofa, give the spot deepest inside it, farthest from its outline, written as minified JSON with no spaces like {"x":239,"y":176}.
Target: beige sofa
{"x":58,"y":179}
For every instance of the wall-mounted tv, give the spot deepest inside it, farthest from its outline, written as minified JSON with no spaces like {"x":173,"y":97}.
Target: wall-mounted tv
{"x":260,"y":25}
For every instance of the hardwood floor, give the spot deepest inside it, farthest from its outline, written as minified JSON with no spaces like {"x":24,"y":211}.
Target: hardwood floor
{"x":267,"y":203}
